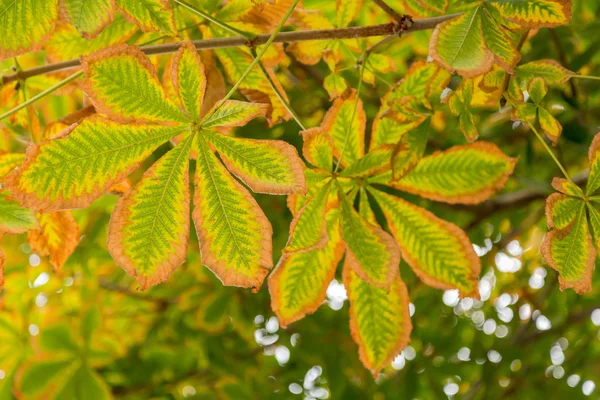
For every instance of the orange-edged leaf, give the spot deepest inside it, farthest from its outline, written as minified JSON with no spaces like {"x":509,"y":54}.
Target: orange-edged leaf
{"x":535,"y":13}
{"x":550,"y":125}
{"x":379,"y":319}
{"x":299,"y":282}
{"x":318,"y":148}
{"x":265,"y":166}
{"x":459,"y":45}
{"x":346,"y":11}
{"x":308,"y":230}
{"x":234,"y":113}
{"x":25,"y":25}
{"x":550,"y":70}
{"x":309,"y":52}
{"x":561,"y":210}
{"x":593,"y":183}
{"x":88,"y":17}
{"x":86,"y":160}
{"x":567,"y":187}
{"x":345,"y":123}
{"x":370,"y":251}
{"x":10,"y":161}
{"x":234,"y":233}
{"x":150,"y":226}
{"x":335,"y":85}
{"x":1,"y":269}
{"x":594,"y":217}
{"x":149,"y":15}
{"x":572,"y":254}
{"x":409,"y":150}
{"x":189,"y":80}
{"x":57,"y":237}
{"x":466,"y":174}
{"x":498,"y":41}
{"x":439,"y":252}
{"x":14,"y":218}
{"x":122,"y":83}
{"x":374,"y":162}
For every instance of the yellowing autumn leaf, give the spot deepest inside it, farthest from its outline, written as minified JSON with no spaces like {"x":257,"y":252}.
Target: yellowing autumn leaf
{"x":370,"y":251}
{"x":149,"y":229}
{"x":234,"y":233}
{"x":57,"y":236}
{"x":466,"y":174}
{"x":9,"y":161}
{"x":189,"y":80}
{"x":88,"y":17}
{"x":379,"y":319}
{"x":318,"y":148}
{"x":299,"y":282}
{"x":14,"y":218}
{"x":149,"y":15}
{"x":593,"y":183}
{"x":535,"y":13}
{"x":439,"y":252}
{"x":25,"y":25}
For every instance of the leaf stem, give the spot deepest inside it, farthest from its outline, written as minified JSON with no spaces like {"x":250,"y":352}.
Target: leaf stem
{"x":254,"y":62}
{"x":227,"y":27}
{"x":283,"y":37}
{"x":541,"y":139}
{"x":278,"y":93}
{"x":596,"y":78}
{"x":42,"y":94}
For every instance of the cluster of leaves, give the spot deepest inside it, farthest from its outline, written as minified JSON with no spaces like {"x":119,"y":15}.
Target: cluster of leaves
{"x":352,"y":201}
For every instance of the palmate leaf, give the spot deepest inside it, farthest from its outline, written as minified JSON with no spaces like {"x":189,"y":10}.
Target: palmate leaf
{"x":75,"y":168}
{"x":265,"y":166}
{"x":299,"y":282}
{"x":409,"y":150}
{"x":14,"y":219}
{"x":307,"y":229}
{"x":149,"y":15}
{"x":345,"y":123}
{"x":234,"y":233}
{"x":379,"y":319}
{"x":189,"y":79}
{"x":550,"y":70}
{"x":466,"y":174}
{"x":370,"y":251}
{"x":571,"y":253}
{"x":317,"y":148}
{"x":309,"y":52}
{"x":374,"y":162}
{"x":439,"y":252}
{"x":593,"y":183}
{"x":89,"y":17}
{"x":25,"y":25}
{"x":470,"y":43}
{"x":57,"y":237}
{"x":149,"y":228}
{"x":561,"y":210}
{"x":9,"y":161}
{"x":459,"y":104}
{"x":234,"y":113}
{"x":122,"y":83}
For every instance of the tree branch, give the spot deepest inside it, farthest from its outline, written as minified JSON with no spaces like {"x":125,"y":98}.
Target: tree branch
{"x":237,"y":41}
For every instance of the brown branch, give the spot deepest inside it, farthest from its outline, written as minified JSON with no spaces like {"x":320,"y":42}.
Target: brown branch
{"x":237,"y":41}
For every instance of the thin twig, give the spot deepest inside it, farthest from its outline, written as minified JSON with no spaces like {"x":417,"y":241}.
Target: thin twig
{"x":388,"y":10}
{"x":238,"y":41}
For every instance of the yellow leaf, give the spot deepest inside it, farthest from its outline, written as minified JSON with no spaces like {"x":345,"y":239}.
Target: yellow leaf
{"x":57,"y":237}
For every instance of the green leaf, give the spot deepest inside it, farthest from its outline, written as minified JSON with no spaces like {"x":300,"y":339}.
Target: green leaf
{"x":85,"y":161}
{"x":318,"y":148}
{"x":374,"y":162}
{"x":25,"y":25}
{"x":189,"y":80}
{"x":561,"y":210}
{"x":234,"y":113}
{"x":370,"y":251}
{"x":409,"y":150}
{"x":308,"y":230}
{"x":571,"y":252}
{"x":567,"y":187}
{"x":14,"y":219}
{"x":459,"y":44}
{"x":550,"y":70}
{"x":89,"y":17}
{"x":299,"y":282}
{"x":234,"y":233}
{"x":535,"y":13}
{"x":379,"y":319}
{"x":466,"y":174}
{"x":149,"y":15}
{"x":593,"y":183}
{"x":149,"y":228}
{"x":345,"y":124}
{"x":266,"y":166}
{"x":122,"y":83}
{"x":439,"y":252}
{"x":498,"y":41}
{"x":44,"y":375}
